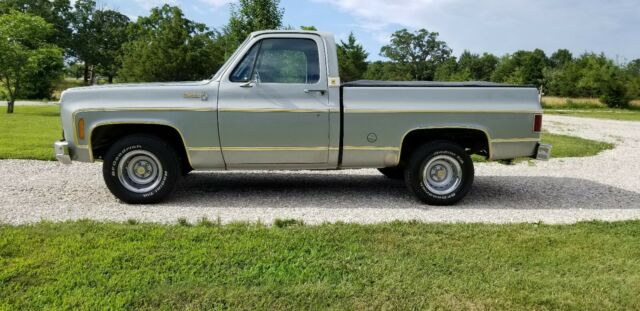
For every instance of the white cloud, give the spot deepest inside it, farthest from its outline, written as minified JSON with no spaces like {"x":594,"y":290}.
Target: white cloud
{"x":148,"y":4}
{"x":504,"y":26}
{"x":216,"y":3}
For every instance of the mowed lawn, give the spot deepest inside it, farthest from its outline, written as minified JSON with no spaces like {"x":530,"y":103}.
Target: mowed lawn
{"x":91,"y":266}
{"x":29,"y":133}
{"x":618,"y":114}
{"x":565,"y":146}
{"x":590,"y":108}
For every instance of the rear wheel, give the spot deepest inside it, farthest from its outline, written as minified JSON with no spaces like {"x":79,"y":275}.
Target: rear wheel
{"x":141,"y":169}
{"x":439,"y":173}
{"x":392,"y":172}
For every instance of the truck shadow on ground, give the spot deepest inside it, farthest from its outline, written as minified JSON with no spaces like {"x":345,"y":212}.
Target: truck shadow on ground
{"x":336,"y":190}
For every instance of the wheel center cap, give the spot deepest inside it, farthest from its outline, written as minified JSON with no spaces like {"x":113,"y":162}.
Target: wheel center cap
{"x":141,"y":170}
{"x":441,"y":174}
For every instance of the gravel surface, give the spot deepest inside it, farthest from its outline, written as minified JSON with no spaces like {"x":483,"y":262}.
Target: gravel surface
{"x":603,"y":187}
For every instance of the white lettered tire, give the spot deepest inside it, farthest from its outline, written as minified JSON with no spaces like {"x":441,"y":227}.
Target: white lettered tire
{"x":141,"y":169}
{"x":439,"y":173}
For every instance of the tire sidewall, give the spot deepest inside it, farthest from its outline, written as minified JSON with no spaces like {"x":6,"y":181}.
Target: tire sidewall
{"x":164,"y":154}
{"x":422,"y":156}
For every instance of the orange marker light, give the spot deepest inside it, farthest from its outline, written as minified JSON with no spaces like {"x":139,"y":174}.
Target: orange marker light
{"x":81,"y":128}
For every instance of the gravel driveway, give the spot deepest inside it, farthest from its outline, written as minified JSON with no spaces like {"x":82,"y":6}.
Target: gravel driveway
{"x":604,"y":187}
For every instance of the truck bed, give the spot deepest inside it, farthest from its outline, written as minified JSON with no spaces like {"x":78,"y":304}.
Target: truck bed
{"x":379,"y":114}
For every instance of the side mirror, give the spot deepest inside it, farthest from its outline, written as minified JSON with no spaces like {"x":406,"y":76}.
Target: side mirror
{"x":251,"y":83}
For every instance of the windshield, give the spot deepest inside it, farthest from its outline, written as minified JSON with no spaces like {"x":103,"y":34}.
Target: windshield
{"x":229,"y":60}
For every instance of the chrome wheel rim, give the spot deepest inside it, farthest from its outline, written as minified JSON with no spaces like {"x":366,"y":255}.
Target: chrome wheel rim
{"x":442,"y":175}
{"x":139,"y":171}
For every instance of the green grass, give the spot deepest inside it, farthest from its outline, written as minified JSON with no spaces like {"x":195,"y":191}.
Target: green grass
{"x":590,"y":108}
{"x":565,"y":146}
{"x":89,"y":265}
{"x":29,"y":132}
{"x":617,"y":114}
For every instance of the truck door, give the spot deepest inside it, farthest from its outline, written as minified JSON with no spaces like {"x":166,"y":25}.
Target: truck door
{"x":273,"y":106}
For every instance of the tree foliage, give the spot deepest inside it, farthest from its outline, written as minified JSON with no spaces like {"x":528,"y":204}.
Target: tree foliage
{"x":352,"y":59}
{"x":421,"y":52}
{"x":55,"y":12}
{"x":248,"y":16}
{"x":522,"y":67}
{"x":169,"y":47}
{"x":467,"y":67}
{"x":25,"y":54}
{"x":111,"y":33}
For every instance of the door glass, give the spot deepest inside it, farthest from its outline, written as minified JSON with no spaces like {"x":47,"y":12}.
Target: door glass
{"x":288,"y":60}
{"x":242,"y":72}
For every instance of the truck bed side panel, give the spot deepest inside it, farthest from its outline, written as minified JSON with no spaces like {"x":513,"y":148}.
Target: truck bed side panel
{"x":376,"y":119}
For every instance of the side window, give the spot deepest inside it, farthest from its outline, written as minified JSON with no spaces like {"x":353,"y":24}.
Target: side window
{"x":281,"y":60}
{"x":244,"y":70}
{"x":288,"y":60}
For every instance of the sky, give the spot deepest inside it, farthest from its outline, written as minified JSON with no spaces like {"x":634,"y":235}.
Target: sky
{"x":495,"y":26}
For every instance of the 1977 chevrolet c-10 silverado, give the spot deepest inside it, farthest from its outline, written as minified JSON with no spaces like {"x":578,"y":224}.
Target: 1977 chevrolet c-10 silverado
{"x":278,"y":104}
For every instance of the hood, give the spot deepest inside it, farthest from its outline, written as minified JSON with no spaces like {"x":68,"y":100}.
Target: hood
{"x":135,"y":85}
{"x":137,"y":93}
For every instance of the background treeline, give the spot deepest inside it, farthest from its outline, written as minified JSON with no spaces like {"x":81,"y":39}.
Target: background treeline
{"x":44,"y":40}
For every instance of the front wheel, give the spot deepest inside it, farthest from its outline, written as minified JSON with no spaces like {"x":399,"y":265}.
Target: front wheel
{"x":439,"y":173}
{"x":141,"y":169}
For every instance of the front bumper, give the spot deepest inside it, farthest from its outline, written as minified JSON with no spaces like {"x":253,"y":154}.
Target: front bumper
{"x":62,"y":152}
{"x":543,"y":152}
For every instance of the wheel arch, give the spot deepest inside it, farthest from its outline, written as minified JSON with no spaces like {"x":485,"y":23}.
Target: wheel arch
{"x":475,"y":138}
{"x":103,"y":134}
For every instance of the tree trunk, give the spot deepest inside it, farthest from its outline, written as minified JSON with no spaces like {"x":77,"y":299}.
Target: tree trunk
{"x":86,"y":73}
{"x":10,"y":106}
{"x":110,"y":79}
{"x":93,"y":75}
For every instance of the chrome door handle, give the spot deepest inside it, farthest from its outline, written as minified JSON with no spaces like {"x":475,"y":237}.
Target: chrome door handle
{"x":317,"y":91}
{"x":248,"y":84}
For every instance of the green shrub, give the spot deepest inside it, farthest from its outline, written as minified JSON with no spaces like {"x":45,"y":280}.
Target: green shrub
{"x":615,"y":95}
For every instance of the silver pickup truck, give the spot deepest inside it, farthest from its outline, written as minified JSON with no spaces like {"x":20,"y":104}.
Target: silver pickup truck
{"x":278,"y":103}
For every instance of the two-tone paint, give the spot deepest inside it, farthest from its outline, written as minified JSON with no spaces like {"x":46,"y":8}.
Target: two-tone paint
{"x":232,"y":125}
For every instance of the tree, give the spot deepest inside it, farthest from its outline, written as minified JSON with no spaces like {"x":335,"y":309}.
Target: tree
{"x":633,"y":67}
{"x":380,"y":70}
{"x":469,"y":67}
{"x":633,"y":70}
{"x":601,"y":77}
{"x":522,"y":67}
{"x":248,"y":16}
{"x":420,"y":51}
{"x":24,"y":52}
{"x":110,"y":34}
{"x":311,"y":28}
{"x":84,"y":36}
{"x":169,"y":47}
{"x":55,"y":12}
{"x":352,"y":59}
{"x":98,"y":39}
{"x":73,"y":70}
{"x":560,"y":58}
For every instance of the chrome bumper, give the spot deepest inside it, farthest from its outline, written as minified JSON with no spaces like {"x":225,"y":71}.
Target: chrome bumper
{"x":543,"y":152}
{"x":62,"y":152}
